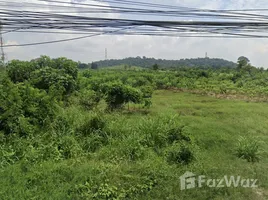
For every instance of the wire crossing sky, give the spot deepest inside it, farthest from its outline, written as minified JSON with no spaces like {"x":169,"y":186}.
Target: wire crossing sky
{"x":172,"y":29}
{"x":61,"y":17}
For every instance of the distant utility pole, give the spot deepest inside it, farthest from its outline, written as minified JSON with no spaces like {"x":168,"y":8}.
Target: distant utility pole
{"x":106,"y":57}
{"x":106,"y":54}
{"x":2,"y":59}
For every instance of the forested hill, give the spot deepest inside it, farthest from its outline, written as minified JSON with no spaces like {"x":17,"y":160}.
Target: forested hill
{"x":149,"y":62}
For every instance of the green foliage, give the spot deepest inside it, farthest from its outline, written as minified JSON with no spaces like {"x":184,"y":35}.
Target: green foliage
{"x":94,"y":65}
{"x":176,"y":135}
{"x":149,"y":62}
{"x":94,"y":131}
{"x":89,"y":99}
{"x":147,"y":92}
{"x":155,"y":67}
{"x":93,"y":142}
{"x":242,"y":62}
{"x":42,"y":61}
{"x":59,"y":141}
{"x":118,"y":94}
{"x":69,"y":147}
{"x":248,"y":149}
{"x":66,"y":65}
{"x":47,"y":78}
{"x":133,"y":150}
{"x":24,"y":108}
{"x":179,"y":154}
{"x":45,"y":73}
{"x":19,"y":71}
{"x":111,"y":192}
{"x":97,"y":123}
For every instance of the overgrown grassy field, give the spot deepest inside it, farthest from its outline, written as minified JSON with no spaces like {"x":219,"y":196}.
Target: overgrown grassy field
{"x":131,"y":133}
{"x":132,"y":160}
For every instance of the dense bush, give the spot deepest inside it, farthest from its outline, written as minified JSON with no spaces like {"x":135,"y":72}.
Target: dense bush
{"x":180,"y":154}
{"x":44,"y":73}
{"x":24,"y":108}
{"x":47,"y":78}
{"x":176,"y":135}
{"x":89,"y":98}
{"x":19,"y":71}
{"x":118,"y":94}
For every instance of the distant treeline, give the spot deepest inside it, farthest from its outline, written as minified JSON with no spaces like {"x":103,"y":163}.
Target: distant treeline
{"x":149,"y":62}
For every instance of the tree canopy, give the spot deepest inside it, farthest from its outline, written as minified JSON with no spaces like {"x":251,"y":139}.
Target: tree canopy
{"x":149,"y":62}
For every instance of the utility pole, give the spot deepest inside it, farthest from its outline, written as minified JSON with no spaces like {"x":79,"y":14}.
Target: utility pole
{"x":106,"y":57}
{"x":2,"y":58}
{"x":106,"y":54}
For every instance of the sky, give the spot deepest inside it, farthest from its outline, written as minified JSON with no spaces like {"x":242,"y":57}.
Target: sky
{"x":93,"y":49}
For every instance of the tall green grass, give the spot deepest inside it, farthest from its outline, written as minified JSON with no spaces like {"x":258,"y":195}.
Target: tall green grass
{"x":135,"y":155}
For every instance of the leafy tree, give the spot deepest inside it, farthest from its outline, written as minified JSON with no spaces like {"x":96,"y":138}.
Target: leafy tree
{"x":19,"y":71}
{"x":147,"y":92}
{"x":83,"y":65}
{"x":94,"y":65}
{"x":155,"y":67}
{"x":118,"y":94}
{"x":66,"y":65}
{"x":45,"y":73}
{"x":89,"y":98}
{"x":24,"y":108}
{"x":48,"y":77}
{"x":242,"y":62}
{"x":42,"y":61}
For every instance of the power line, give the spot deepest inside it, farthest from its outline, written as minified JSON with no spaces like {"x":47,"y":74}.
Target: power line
{"x":63,"y":40}
{"x":68,"y":18}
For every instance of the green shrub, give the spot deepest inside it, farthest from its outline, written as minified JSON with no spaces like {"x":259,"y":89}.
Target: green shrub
{"x":132,"y":149}
{"x":92,"y":143}
{"x":96,"y":123}
{"x":179,"y":154}
{"x":19,"y":71}
{"x":7,"y":156}
{"x":89,"y":99}
{"x":44,"y":73}
{"x":68,"y":66}
{"x":69,"y":147}
{"x":48,"y":77}
{"x":24,"y":108}
{"x":176,"y":134}
{"x":118,"y":94}
{"x":51,"y":152}
{"x":147,"y":92}
{"x":94,"y":132}
{"x":106,"y":190}
{"x":61,"y":126}
{"x":154,"y":139}
{"x":248,"y":149}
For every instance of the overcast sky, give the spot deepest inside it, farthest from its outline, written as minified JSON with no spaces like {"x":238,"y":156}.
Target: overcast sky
{"x":93,"y":49}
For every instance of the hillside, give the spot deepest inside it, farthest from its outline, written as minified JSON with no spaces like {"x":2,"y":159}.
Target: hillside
{"x":148,"y":62}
